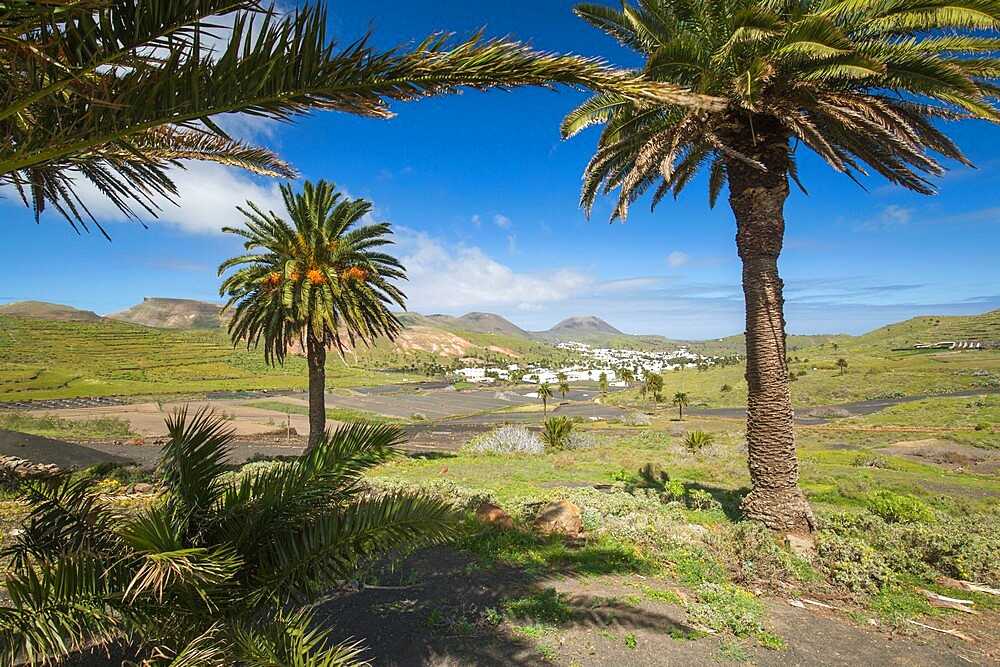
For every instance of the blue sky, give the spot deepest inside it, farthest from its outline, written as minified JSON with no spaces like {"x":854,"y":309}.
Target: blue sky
{"x":483,"y":196}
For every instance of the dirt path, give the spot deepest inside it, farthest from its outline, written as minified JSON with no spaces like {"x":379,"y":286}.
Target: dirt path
{"x":442,"y":620}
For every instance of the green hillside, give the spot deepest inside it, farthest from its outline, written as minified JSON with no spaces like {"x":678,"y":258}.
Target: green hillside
{"x":48,"y":311}
{"x":42,"y":359}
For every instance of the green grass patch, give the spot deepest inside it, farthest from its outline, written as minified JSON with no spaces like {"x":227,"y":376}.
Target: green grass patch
{"x":59,"y":427}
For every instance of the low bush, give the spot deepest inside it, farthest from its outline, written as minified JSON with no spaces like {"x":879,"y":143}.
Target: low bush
{"x":828,"y":413}
{"x":872,"y":461}
{"x":852,"y":563}
{"x":507,"y":440}
{"x":884,"y":395}
{"x":898,"y":508}
{"x":752,"y":556}
{"x":584,"y":440}
{"x":633,"y":419}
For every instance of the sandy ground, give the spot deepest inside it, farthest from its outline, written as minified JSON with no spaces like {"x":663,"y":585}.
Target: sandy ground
{"x":147,"y":419}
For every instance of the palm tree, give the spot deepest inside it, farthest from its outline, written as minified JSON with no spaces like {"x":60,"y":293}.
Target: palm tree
{"x":628,"y":377}
{"x":208,"y":574}
{"x":320,"y":279}
{"x":842,"y":365}
{"x":87,"y":90}
{"x":654,"y":384}
{"x":862,"y":84}
{"x":563,"y":384}
{"x":602,"y":384}
{"x":680,"y":400}
{"x":545,"y":393}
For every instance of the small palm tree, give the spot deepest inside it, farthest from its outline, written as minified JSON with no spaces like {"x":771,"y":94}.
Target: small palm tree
{"x":842,"y":365}
{"x":320,"y":279}
{"x":563,"y":383}
{"x":680,"y":400}
{"x":862,"y":84}
{"x":602,"y":384}
{"x":654,"y":384}
{"x":545,"y":393}
{"x":208,"y":574}
{"x":556,"y":432}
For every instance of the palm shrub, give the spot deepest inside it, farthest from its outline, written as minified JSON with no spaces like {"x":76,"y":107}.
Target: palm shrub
{"x":211,"y":573}
{"x":556,"y":432}
{"x":695,"y":441}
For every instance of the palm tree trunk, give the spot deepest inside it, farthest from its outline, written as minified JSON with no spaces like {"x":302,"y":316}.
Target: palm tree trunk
{"x":316,"y":355}
{"x":757,"y":199}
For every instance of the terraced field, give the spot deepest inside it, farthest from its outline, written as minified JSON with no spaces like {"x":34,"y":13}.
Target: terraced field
{"x":42,"y":359}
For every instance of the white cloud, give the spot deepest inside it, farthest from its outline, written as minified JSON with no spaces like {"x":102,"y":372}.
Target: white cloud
{"x":512,"y":244}
{"x":476,"y":220}
{"x":461,"y":277}
{"x":888,"y":217}
{"x":677,"y":258}
{"x":502,"y":221}
{"x":208,"y":196}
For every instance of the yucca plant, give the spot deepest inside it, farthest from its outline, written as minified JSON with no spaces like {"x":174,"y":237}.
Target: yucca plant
{"x":695,"y":441}
{"x":211,"y":572}
{"x":556,"y":432}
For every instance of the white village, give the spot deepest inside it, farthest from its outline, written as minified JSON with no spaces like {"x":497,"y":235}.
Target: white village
{"x":620,"y":367}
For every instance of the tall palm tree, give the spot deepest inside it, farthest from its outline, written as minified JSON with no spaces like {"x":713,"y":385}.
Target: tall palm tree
{"x":863,"y":84}
{"x":117,"y":91}
{"x":842,"y":365}
{"x":545,"y":393}
{"x":602,"y":384}
{"x":318,"y":279}
{"x":680,"y":400}
{"x":628,"y":376}
{"x":210,"y":571}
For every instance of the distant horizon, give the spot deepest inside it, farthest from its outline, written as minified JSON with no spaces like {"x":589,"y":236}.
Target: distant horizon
{"x":483,"y":198}
{"x":531,"y":329}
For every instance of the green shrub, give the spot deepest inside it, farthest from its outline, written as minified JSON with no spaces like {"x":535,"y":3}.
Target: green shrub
{"x":984,"y":426}
{"x":556,"y":432}
{"x":752,"y":556}
{"x":898,"y":508}
{"x":695,"y":441}
{"x":871,"y":461}
{"x":852,"y":563}
{"x":674,"y":490}
{"x":725,"y":607}
{"x":700,"y":499}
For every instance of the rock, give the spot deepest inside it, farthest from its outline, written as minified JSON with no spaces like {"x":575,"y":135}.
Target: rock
{"x":490,"y":513}
{"x":803,"y":547}
{"x":135,"y":442}
{"x":561,"y":517}
{"x":142,"y":487}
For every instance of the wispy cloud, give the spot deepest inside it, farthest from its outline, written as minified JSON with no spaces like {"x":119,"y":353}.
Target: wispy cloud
{"x":890,"y":216}
{"x":677,"y":258}
{"x":502,"y":221}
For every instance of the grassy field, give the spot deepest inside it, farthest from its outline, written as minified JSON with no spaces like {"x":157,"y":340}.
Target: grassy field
{"x":42,"y":359}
